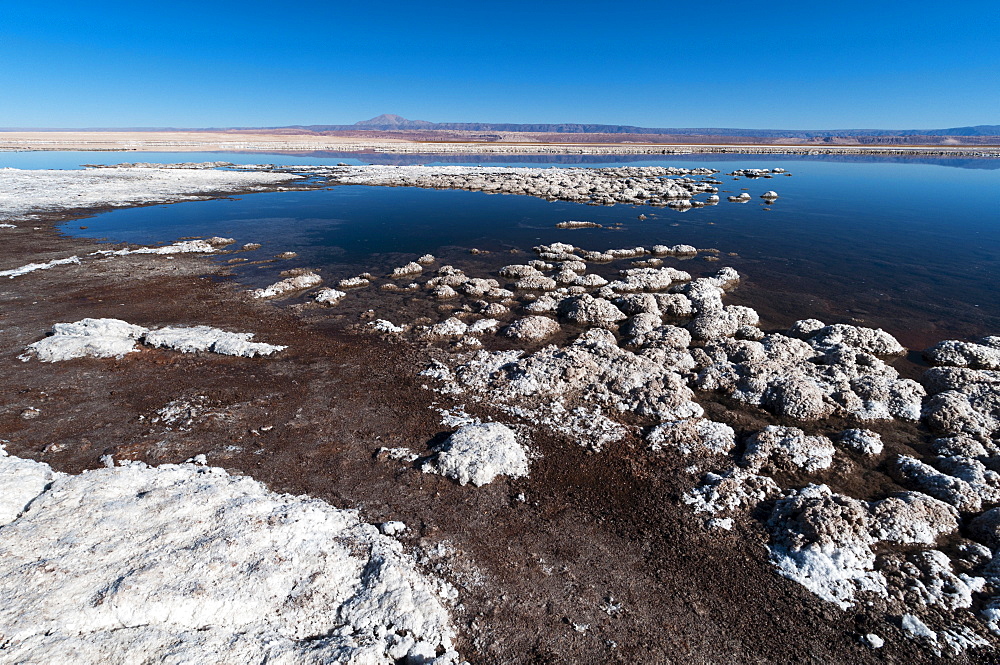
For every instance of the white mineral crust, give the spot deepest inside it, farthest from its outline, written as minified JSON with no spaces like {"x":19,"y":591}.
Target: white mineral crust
{"x":185,"y":563}
{"x":23,"y":192}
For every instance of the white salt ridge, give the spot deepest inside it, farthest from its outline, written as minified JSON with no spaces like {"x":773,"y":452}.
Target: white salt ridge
{"x":184,"y":563}
{"x":181,"y":247}
{"x":381,"y":325}
{"x":23,"y":192}
{"x":478,"y":453}
{"x":32,"y":267}
{"x":113,"y":338}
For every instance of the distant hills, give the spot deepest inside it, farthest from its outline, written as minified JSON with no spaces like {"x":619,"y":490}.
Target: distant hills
{"x":389,"y":122}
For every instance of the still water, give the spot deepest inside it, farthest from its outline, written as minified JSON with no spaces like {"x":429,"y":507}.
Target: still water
{"x":912,"y":246}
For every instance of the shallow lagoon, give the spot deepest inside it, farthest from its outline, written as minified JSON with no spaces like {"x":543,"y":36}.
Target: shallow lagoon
{"x":907,"y":245}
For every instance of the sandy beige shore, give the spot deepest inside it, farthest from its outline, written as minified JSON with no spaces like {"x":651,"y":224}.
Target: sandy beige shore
{"x":179,"y":141}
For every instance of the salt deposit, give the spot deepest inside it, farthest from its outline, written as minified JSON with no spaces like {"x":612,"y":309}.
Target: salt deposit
{"x":27,"y":192}
{"x":113,"y":338}
{"x":32,"y":267}
{"x":122,"y":561}
{"x":478,"y":453}
{"x":607,"y":186}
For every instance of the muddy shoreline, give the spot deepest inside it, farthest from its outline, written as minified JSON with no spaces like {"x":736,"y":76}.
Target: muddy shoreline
{"x":593,"y":532}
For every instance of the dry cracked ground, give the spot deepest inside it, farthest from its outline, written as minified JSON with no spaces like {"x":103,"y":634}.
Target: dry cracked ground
{"x":593,"y":557}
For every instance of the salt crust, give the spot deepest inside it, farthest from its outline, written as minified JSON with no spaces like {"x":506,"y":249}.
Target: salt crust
{"x":23,"y":192}
{"x":113,"y":338}
{"x":185,"y":563}
{"x":478,"y":453}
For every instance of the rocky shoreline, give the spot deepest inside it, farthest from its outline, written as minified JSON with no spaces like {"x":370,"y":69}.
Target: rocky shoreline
{"x":737,"y":455}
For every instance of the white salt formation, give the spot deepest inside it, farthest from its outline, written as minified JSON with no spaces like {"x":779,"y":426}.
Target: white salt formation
{"x":478,"y":453}
{"x":185,"y":563}
{"x":182,"y":247}
{"x":113,"y":338}
{"x":28,"y":192}
{"x":648,"y":185}
{"x":288,"y":285}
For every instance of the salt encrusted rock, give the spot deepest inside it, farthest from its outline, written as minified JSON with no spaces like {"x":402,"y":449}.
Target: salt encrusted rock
{"x":289,"y":285}
{"x":478,"y":288}
{"x":383,"y":326}
{"x":769,"y":195}
{"x":953,"y":412}
{"x":963,"y":482}
{"x":861,"y":441}
{"x":205,"y":338}
{"x":124,"y":561}
{"x":912,"y":518}
{"x":647,"y":279}
{"x":426,"y":259}
{"x":329,"y":296}
{"x":531,"y":328}
{"x":543,"y":266}
{"x":926,"y":579}
{"x":674,"y":304}
{"x":566,"y":277}
{"x":870,"y":340}
{"x":797,"y":397}
{"x":640,"y":324}
{"x":736,"y":489}
{"x":353,"y":282}
{"x":964,"y":446}
{"x":494,"y":310}
{"x":710,"y":325}
{"x":636,"y":303}
{"x":443,"y":292}
{"x":783,"y":448}
{"x":675,"y":250}
{"x":535,"y":283}
{"x":741,"y":198}
{"x":696,"y":435}
{"x":587,"y":310}
{"x":984,"y":355}
{"x":805,"y":328}
{"x":821,"y":540}
{"x":411,"y":268}
{"x":451,"y":327}
{"x":590,"y":280}
{"x":95,"y":338}
{"x":482,"y":326}
{"x":479,"y":453}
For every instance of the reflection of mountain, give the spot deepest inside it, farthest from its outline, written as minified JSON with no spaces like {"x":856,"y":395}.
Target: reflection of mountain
{"x":411,"y":159}
{"x":390,"y":122}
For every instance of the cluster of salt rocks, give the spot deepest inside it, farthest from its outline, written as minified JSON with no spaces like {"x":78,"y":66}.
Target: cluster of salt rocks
{"x":844,"y":549}
{"x":646,"y":185}
{"x":655,"y":334}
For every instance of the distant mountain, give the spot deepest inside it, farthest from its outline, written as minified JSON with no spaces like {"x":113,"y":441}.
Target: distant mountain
{"x":389,"y":122}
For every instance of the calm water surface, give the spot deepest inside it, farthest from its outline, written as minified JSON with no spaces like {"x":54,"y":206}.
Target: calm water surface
{"x":912,"y":246}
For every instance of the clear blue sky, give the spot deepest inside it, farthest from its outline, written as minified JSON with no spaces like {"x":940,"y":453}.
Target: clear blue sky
{"x":774,"y":64}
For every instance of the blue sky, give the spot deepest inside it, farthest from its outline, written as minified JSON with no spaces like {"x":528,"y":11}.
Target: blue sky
{"x":775,"y":64}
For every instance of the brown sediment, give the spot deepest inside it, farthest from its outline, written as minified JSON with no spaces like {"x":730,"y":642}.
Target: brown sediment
{"x":601,"y":541}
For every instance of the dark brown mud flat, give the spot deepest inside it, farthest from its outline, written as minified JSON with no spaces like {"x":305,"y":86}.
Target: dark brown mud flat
{"x":591,"y":559}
